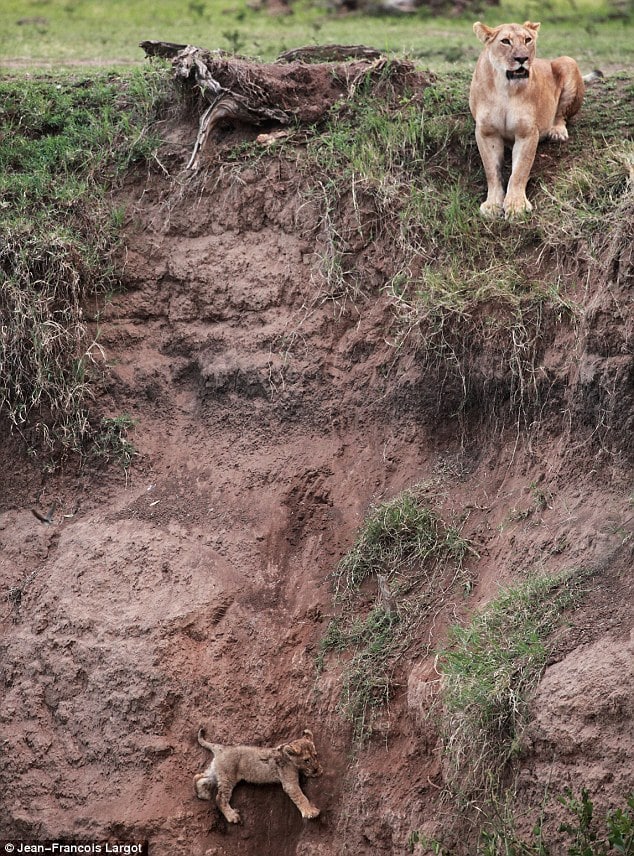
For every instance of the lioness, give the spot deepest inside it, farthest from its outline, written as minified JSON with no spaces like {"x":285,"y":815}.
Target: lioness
{"x":233,"y":764}
{"x":518,"y":100}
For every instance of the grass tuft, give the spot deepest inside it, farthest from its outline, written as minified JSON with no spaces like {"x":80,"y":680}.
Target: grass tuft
{"x":63,"y":146}
{"x":415,"y":559}
{"x":489,"y":671}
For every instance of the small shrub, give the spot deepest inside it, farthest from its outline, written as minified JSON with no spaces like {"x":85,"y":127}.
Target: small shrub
{"x":395,"y":534}
{"x":585,"y":835}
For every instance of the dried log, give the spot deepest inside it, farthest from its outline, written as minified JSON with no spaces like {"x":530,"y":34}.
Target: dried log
{"x":166,"y":50}
{"x":329,"y":53}
{"x":236,"y":89}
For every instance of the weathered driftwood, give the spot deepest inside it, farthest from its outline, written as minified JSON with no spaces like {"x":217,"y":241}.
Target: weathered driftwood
{"x":329,"y":53}
{"x":283,"y":93}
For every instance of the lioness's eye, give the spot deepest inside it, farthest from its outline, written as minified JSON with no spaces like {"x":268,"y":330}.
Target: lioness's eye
{"x":505,"y":41}
{"x":528,"y":40}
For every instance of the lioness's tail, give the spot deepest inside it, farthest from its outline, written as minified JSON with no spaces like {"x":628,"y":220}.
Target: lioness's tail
{"x":205,"y":743}
{"x":591,"y":78}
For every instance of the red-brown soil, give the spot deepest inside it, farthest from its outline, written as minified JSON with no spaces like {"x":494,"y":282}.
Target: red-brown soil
{"x":195,"y":589}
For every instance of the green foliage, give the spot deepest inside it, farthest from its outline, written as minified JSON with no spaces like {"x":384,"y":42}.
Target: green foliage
{"x":366,"y":688}
{"x":63,"y":144}
{"x":394,"y":535}
{"x":587,"y":836}
{"x":489,"y":670}
{"x":416,"y":560}
{"x":110,"y":442}
{"x":583,"y":835}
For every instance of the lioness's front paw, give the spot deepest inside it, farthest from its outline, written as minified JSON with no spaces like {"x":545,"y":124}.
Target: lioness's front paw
{"x":491,"y":210}
{"x":516,"y":208}
{"x":558,"y":133}
{"x":311,"y":812}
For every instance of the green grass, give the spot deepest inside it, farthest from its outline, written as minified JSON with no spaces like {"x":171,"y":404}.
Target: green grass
{"x":405,"y":548}
{"x":489,"y":669}
{"x":110,"y":441}
{"x":396,"y":535}
{"x":64,"y":143}
{"x":107,"y":33}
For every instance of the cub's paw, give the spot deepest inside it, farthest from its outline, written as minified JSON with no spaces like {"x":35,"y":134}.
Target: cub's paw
{"x":232,"y":815}
{"x":310,"y":812}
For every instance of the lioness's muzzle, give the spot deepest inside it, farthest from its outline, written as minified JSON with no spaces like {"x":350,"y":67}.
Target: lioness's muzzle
{"x":517,"y":74}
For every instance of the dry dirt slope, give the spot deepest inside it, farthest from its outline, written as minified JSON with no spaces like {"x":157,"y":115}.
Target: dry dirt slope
{"x":196,"y":589}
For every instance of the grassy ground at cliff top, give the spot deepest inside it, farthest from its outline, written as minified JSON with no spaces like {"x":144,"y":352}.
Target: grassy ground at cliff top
{"x":57,"y":33}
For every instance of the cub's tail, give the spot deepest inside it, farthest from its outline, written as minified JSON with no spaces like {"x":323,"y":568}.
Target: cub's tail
{"x":205,"y":743}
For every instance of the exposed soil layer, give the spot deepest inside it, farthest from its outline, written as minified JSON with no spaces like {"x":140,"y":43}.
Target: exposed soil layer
{"x":195,"y":589}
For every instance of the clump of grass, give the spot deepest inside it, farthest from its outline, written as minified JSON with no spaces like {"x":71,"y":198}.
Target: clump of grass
{"x":416,"y":560}
{"x":63,"y":144}
{"x":111,"y":442}
{"x":374,"y":641}
{"x":481,"y":335}
{"x":395,"y":535}
{"x":489,"y":670}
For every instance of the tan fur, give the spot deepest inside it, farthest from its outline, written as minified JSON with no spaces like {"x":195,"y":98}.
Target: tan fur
{"x":283,"y":764}
{"x":520,"y":111}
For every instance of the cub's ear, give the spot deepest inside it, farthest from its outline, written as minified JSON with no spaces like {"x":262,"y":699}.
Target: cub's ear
{"x":307,"y":733}
{"x":290,"y":750}
{"x":483,"y":32}
{"x":532,"y":27}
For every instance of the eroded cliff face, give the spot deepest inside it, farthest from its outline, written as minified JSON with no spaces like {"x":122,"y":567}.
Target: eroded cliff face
{"x":196,"y":588}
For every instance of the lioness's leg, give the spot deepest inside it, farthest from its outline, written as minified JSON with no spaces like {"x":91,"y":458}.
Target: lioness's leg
{"x":567,"y":74}
{"x":491,"y":148}
{"x":294,"y":791}
{"x":222,"y":801}
{"x":524,"y":150}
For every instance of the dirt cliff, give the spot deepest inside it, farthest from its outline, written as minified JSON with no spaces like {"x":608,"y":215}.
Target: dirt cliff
{"x":195,"y":588}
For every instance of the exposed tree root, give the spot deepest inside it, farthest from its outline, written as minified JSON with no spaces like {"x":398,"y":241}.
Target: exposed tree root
{"x":283,"y":93}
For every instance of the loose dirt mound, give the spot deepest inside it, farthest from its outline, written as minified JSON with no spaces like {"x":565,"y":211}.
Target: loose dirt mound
{"x":196,"y":588}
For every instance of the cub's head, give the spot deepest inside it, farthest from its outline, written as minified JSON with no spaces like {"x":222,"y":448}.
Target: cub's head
{"x":301,"y":753}
{"x":510,"y":47}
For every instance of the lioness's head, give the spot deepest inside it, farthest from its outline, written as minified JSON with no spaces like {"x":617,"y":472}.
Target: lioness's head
{"x":302,"y":754}
{"x":511,"y":47}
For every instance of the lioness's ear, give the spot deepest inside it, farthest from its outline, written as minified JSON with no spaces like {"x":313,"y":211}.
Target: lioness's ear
{"x":483,"y":32}
{"x":532,"y":27}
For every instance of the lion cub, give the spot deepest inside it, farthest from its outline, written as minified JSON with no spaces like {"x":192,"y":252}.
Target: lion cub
{"x":518,"y":100}
{"x":283,"y":764}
